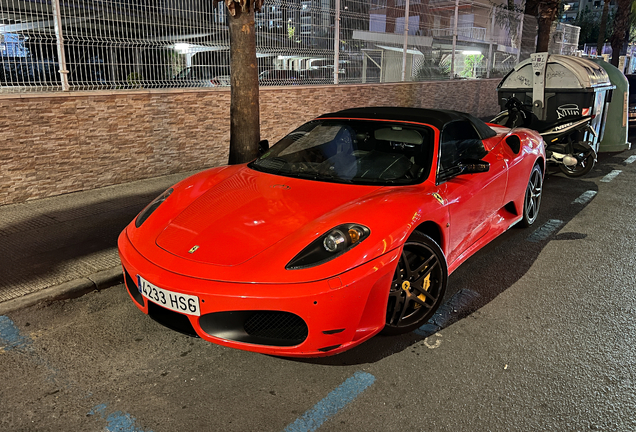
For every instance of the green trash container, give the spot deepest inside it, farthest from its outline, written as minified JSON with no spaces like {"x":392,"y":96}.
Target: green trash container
{"x":616,"y":123}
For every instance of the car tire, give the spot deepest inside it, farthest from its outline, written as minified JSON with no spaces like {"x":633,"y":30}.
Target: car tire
{"x":532,"y":197}
{"x":418,"y":285}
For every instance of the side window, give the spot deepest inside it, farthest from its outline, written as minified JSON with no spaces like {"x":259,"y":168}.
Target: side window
{"x":459,"y":141}
{"x":199,"y":73}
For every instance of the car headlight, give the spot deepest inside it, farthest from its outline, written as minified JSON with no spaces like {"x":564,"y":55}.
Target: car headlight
{"x":330,"y":245}
{"x":145,"y":213}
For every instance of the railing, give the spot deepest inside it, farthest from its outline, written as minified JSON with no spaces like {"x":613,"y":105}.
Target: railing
{"x":475,"y":33}
{"x":143,"y":44}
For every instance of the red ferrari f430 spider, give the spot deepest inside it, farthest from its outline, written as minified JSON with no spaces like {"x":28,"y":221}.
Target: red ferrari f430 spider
{"x":348,"y":226}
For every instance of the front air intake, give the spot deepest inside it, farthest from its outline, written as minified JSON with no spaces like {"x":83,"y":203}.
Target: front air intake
{"x":276,"y":325}
{"x":173,"y":320}
{"x":273,"y":328}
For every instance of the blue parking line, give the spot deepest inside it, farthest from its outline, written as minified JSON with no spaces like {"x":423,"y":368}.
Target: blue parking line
{"x":611,"y":176}
{"x":10,"y":337}
{"x":117,"y":421}
{"x":461,"y":304}
{"x":585,"y":197}
{"x":544,"y":231}
{"x":332,"y":403}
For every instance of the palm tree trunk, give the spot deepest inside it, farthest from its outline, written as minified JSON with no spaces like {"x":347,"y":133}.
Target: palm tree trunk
{"x":244,"y":105}
{"x":621,"y":29}
{"x":530,"y":25}
{"x":547,"y":14}
{"x":601,"y":31}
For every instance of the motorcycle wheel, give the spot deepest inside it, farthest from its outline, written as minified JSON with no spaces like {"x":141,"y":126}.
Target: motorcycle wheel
{"x":584,"y":166}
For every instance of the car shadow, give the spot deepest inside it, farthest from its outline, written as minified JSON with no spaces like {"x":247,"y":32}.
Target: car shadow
{"x":495,"y":268}
{"x":52,"y":241}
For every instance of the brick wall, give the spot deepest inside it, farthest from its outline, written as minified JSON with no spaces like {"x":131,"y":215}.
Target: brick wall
{"x":52,"y":144}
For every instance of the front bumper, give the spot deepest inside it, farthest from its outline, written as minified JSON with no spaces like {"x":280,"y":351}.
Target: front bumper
{"x":310,"y":319}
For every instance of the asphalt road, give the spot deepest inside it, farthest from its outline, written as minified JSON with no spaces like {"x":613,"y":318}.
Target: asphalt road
{"x":538,"y":334}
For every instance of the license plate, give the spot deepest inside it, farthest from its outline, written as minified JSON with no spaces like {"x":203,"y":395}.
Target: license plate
{"x":183,"y":303}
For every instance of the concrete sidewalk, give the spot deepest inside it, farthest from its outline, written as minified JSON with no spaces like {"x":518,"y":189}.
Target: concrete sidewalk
{"x":65,"y":246}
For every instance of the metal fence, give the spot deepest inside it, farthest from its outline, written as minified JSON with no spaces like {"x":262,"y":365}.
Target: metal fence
{"x":565,"y":39}
{"x":60,"y":45}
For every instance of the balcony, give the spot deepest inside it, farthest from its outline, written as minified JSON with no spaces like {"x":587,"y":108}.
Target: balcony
{"x":471,"y":33}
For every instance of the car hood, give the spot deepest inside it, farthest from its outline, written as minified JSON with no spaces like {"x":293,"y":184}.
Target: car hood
{"x":247,"y":213}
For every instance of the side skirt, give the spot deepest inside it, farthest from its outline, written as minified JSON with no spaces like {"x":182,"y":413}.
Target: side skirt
{"x":503,"y":221}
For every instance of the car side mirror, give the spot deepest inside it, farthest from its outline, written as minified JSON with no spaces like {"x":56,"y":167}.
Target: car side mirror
{"x":473,"y":166}
{"x":263,"y":146}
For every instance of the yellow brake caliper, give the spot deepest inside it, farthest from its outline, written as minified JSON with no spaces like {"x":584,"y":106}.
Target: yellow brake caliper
{"x":426,"y":284}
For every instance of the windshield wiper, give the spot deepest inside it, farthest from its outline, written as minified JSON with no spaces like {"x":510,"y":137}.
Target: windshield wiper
{"x":273,"y":165}
{"x":319,"y":177}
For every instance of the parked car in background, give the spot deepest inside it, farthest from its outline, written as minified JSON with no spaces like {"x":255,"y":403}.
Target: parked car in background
{"x":632,"y":99}
{"x":272,"y":77}
{"x":32,"y":72}
{"x":321,"y":75}
{"x":203,"y":76}
{"x":26,"y":71}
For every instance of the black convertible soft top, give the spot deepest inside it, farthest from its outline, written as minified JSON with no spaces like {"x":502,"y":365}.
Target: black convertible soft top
{"x":435,"y":117}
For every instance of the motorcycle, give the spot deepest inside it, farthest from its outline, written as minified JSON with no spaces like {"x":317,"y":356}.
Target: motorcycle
{"x":563,"y":138}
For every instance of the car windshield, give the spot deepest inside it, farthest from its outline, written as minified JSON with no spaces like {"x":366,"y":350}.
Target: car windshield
{"x":352,"y":151}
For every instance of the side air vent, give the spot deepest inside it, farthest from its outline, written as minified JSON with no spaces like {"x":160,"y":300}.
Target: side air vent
{"x":514,"y":143}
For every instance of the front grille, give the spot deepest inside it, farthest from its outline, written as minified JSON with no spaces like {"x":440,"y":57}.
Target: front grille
{"x":278,"y":325}
{"x":273,"y":328}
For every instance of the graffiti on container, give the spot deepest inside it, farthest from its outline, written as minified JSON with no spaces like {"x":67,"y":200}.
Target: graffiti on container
{"x":526,"y":82}
{"x":555,"y":74}
{"x":568,"y":110}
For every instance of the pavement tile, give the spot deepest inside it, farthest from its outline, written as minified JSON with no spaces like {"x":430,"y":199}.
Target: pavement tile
{"x":101,"y":260}
{"x":69,"y":240}
{"x":19,"y":224}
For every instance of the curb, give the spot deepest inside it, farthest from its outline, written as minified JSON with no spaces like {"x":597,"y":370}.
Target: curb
{"x":76,"y":288}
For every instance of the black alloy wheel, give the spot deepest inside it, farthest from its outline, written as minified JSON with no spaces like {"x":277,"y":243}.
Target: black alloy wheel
{"x":585,"y":158}
{"x":418,"y":286}
{"x":532,"y":199}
